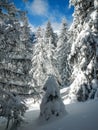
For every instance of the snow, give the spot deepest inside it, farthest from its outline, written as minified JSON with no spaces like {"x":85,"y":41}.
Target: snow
{"x":80,"y":116}
{"x":64,"y":94}
{"x":94,"y":15}
{"x":96,"y":4}
{"x":51,"y":86}
{"x":95,"y":83}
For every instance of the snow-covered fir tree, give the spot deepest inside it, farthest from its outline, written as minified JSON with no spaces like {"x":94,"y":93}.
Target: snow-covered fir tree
{"x":84,"y":51}
{"x":40,"y":33}
{"x":50,"y":34}
{"x":81,"y":15}
{"x":39,"y":64}
{"x":50,"y":41}
{"x":15,"y":49}
{"x":43,"y":60}
{"x":62,"y":52}
{"x":51,"y":104}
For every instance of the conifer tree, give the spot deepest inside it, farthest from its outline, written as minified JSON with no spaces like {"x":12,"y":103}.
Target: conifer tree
{"x":43,"y":60}
{"x":62,"y":52}
{"x":15,"y":49}
{"x":39,"y":64}
{"x":84,"y":53}
{"x":51,"y":104}
{"x":49,"y":34}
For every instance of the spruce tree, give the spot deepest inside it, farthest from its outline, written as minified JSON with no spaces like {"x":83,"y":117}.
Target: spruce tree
{"x":43,"y":60}
{"x":49,"y":34}
{"x":39,"y":64}
{"x":51,"y":104}
{"x":62,"y":52}
{"x":15,"y":49}
{"x":84,"y":53}
{"x":50,"y":41}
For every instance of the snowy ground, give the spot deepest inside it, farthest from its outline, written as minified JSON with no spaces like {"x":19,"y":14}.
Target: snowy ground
{"x":80,"y":116}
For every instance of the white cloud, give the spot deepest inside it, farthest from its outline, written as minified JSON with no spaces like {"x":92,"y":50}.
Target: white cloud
{"x":39,"y":7}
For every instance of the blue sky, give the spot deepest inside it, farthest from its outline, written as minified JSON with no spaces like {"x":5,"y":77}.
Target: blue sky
{"x":40,"y":11}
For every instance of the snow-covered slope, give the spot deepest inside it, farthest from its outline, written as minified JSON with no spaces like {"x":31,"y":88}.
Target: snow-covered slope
{"x":80,"y":116}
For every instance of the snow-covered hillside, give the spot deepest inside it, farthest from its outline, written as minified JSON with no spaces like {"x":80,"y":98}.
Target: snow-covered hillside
{"x":80,"y":116}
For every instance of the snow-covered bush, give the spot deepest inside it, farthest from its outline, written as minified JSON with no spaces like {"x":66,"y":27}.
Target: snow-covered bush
{"x":51,"y":103}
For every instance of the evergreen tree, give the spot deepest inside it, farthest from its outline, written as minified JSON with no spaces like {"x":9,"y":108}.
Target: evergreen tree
{"x":62,"y":52}
{"x":39,"y":33}
{"x":50,"y":40}
{"x":51,"y":104}
{"x":15,"y":49}
{"x":84,"y":54}
{"x":43,"y":60}
{"x":38,"y":71}
{"x":49,"y":34}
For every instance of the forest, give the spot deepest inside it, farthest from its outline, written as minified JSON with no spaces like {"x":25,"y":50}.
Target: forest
{"x":54,"y":74}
